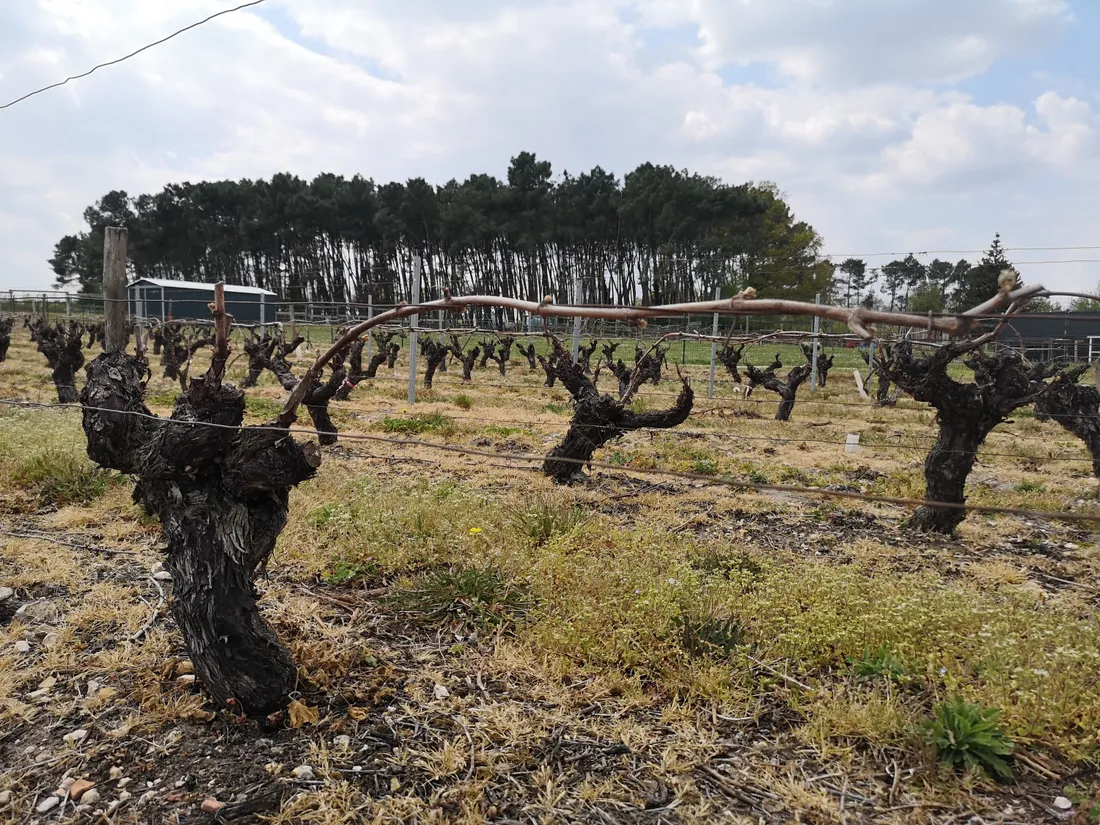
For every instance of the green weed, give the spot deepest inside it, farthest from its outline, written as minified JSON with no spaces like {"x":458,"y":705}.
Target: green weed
{"x":62,"y":478}
{"x":262,"y":407}
{"x":478,"y":596}
{"x":970,"y":736}
{"x":543,"y":517}
{"x":419,"y":424}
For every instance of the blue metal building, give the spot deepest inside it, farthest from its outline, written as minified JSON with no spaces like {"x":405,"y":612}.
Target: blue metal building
{"x":190,"y":300}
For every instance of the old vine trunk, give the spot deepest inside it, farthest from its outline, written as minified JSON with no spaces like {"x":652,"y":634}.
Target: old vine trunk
{"x":221,"y":495}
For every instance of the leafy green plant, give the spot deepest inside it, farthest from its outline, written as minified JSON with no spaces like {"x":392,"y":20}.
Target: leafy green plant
{"x":879,"y":664}
{"x":969,"y":735}
{"x":417,"y":424}
{"x":542,"y":517}
{"x":478,"y":596}
{"x":756,"y":477}
{"x":709,"y":635}
{"x":463,"y":401}
{"x":62,"y":478}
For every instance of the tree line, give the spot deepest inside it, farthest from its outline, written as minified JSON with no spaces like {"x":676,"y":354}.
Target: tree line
{"x":940,"y":286}
{"x":658,"y":235}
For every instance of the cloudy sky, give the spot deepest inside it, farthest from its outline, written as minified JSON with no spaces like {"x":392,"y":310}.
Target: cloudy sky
{"x":892,"y":125}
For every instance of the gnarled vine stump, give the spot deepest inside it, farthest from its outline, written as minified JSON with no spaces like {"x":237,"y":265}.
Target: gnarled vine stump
{"x":434,"y":353}
{"x":528,"y":352}
{"x":465,"y":358}
{"x":502,"y":352}
{"x":966,"y":413}
{"x":5,"y":337}
{"x":584,"y":355}
{"x":221,"y":495}
{"x":730,"y":357}
{"x":1074,"y":408}
{"x":884,"y":397}
{"x":317,"y":398}
{"x":356,"y":374}
{"x":824,"y":363}
{"x":549,"y":364}
{"x":599,"y":418}
{"x":787,"y":390}
{"x":63,"y":346}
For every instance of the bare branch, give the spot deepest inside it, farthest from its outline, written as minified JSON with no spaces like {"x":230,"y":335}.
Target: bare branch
{"x":858,"y":319}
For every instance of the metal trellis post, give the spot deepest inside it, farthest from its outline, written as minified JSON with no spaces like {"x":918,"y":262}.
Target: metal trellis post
{"x":813,"y":362}
{"x":714,"y":345}
{"x":413,"y":320}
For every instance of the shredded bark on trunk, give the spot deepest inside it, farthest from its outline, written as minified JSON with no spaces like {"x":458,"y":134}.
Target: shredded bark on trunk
{"x":966,"y":413}
{"x":5,"y":337}
{"x":1074,"y":408}
{"x":598,"y":419}
{"x":63,"y":346}
{"x":221,"y":495}
{"x":787,"y":390}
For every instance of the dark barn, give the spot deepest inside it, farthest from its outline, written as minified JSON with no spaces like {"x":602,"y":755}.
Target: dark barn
{"x":189,"y":301}
{"x":1048,"y":335}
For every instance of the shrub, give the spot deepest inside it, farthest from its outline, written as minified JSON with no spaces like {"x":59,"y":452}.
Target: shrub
{"x":61,"y":478}
{"x":968,"y":735}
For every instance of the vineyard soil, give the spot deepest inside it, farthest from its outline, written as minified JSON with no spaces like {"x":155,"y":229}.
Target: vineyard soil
{"x":477,"y":644}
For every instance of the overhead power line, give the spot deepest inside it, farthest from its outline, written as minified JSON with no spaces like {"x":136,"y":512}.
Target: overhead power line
{"x":133,"y":53}
{"x":967,"y":252}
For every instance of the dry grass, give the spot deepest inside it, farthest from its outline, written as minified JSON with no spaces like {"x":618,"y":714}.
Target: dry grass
{"x":641,"y":649}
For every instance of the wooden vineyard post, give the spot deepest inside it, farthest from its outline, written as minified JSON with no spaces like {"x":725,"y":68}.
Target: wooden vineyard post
{"x":114,"y":289}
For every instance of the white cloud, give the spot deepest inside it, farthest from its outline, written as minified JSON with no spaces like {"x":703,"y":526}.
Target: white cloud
{"x":864,"y":128}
